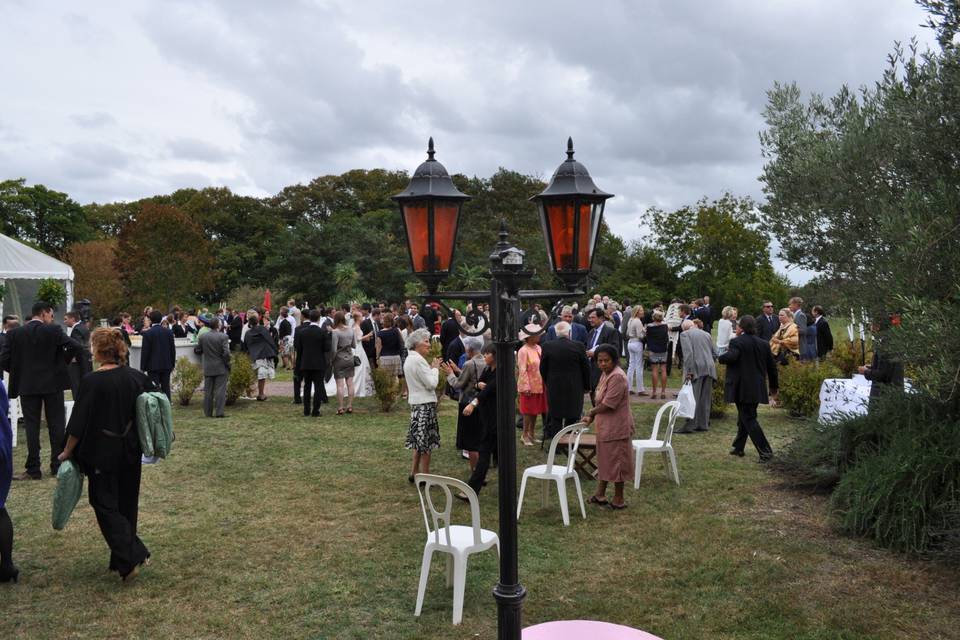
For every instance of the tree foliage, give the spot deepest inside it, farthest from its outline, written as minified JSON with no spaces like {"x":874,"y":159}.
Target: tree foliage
{"x":720,"y":250}
{"x":96,"y":278}
{"x":865,"y":186}
{"x":47,"y":219}
{"x":163,"y":257}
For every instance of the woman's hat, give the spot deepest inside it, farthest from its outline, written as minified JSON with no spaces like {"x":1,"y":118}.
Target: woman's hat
{"x":205,"y":318}
{"x":528,"y":329}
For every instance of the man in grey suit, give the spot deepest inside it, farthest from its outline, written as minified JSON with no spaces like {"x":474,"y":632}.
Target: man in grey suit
{"x":699,"y":366}
{"x":215,"y":348}
{"x":800,"y":319}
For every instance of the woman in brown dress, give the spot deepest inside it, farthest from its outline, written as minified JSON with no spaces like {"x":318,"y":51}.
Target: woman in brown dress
{"x":614,"y":427}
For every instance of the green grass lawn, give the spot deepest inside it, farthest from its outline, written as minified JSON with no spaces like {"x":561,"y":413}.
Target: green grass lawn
{"x":270,"y":525}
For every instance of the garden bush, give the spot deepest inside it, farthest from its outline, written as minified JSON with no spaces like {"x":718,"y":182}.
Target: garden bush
{"x":895,"y":472}
{"x":185,"y":380}
{"x":846,"y":356}
{"x":800,"y":386}
{"x":387,"y":388}
{"x":242,"y":377}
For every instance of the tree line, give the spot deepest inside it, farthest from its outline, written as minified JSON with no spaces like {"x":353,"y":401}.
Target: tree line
{"x":340,"y":237}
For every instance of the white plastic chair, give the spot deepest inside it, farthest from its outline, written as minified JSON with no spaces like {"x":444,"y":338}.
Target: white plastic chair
{"x":557,"y":473}
{"x":457,"y":540}
{"x":654,"y":445}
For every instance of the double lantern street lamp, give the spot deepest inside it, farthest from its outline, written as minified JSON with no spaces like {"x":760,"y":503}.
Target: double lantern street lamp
{"x":571,"y":210}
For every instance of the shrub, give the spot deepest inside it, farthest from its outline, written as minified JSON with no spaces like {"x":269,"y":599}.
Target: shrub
{"x":718,"y":406}
{"x":52,"y":292}
{"x":800,"y":386}
{"x":901,"y":474}
{"x":811,"y":461}
{"x":242,"y":377}
{"x":387,"y":388}
{"x":187,"y":376}
{"x":846,"y":356}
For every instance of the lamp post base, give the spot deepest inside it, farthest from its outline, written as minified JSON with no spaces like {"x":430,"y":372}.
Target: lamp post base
{"x":509,"y":610}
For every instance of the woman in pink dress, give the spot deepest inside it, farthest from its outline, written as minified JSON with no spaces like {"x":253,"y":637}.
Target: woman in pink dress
{"x":533,"y":397}
{"x":613,"y":421}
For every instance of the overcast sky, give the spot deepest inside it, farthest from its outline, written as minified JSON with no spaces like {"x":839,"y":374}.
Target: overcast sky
{"x":125,"y":99}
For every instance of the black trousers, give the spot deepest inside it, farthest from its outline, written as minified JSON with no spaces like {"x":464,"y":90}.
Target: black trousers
{"x":52,"y":405}
{"x":313,"y":387}
{"x":479,"y":474}
{"x":115,"y":498}
{"x":554,"y":424}
{"x":747,"y":425}
{"x":161,"y":379}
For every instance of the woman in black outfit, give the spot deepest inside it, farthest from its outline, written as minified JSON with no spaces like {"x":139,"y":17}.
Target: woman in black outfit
{"x":103,"y":438}
{"x":485,"y":404}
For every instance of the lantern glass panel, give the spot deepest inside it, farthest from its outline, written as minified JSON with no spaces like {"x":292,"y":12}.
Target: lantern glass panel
{"x":560,"y":217}
{"x":415,"y":217}
{"x":445,"y":216}
{"x":596,"y":214}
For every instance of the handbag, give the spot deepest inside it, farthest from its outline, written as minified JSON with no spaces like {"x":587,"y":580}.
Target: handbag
{"x":67,"y":493}
{"x":687,"y":403}
{"x":356,"y":361}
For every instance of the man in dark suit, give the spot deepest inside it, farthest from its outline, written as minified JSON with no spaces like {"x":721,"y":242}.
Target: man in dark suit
{"x":158,"y":352}
{"x":566,"y":376}
{"x":429,"y":315}
{"x":749,"y":364}
{"x":578,"y":332}
{"x":82,"y":364}
{"x":370,"y":325}
{"x":215,"y":351}
{"x":824,"y":334}
{"x":450,"y":331}
{"x":455,"y":350}
{"x":36,"y":356}
{"x":602,"y":333}
{"x":311,"y":344}
{"x":767,"y":322}
{"x":235,"y":330}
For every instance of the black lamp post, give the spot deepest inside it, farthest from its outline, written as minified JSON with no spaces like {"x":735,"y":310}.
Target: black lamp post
{"x":571,"y":209}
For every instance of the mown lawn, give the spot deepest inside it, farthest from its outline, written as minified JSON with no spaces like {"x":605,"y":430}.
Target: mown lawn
{"x":271,"y":525}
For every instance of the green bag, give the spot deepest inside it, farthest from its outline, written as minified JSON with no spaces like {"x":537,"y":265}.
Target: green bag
{"x":154,"y":424}
{"x":67,"y":493}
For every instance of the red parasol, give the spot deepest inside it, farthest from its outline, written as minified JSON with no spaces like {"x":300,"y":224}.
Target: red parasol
{"x":266,"y":301}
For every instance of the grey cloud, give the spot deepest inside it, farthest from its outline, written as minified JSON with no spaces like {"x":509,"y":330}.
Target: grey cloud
{"x":93,"y":120}
{"x":194,"y":149}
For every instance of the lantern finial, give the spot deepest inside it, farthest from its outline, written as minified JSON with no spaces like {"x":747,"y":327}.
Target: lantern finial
{"x":430,"y":150}
{"x":570,"y":148}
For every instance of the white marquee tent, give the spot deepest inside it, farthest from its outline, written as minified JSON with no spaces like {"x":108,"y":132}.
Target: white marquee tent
{"x":21,"y":270}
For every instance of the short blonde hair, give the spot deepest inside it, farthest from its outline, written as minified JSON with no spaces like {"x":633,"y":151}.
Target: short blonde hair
{"x":727,"y":312}
{"x":657,"y":315}
{"x":786,"y":311}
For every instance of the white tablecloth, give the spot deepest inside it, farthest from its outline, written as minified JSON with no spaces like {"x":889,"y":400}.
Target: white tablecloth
{"x":841,"y":397}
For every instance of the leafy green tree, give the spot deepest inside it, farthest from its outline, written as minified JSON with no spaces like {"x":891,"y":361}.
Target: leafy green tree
{"x":47,"y":219}
{"x":641,"y":275}
{"x":865,"y":187}
{"x":163,"y":258}
{"x":720,"y":250}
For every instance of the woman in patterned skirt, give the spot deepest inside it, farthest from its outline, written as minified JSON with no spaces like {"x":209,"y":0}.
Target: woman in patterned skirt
{"x":422,"y":379}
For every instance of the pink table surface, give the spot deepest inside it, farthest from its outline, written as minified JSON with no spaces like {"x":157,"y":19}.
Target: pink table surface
{"x":581,"y":629}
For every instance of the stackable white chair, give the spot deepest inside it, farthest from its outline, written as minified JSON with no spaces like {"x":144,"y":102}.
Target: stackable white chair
{"x":552,"y":472}
{"x":459,"y":541}
{"x":663,"y":446}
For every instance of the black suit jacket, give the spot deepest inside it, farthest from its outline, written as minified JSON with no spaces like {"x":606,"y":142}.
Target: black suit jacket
{"x":608,"y":335}
{"x":84,"y":360}
{"x":449,"y":331}
{"x":883,"y":372}
{"x":36,"y":356}
{"x":370,"y":346}
{"x":824,"y":337}
{"x":749,"y":364}
{"x":767,"y":327}
{"x":311,"y":344}
{"x":454,"y":350}
{"x":566,"y":376}
{"x":158,"y":352}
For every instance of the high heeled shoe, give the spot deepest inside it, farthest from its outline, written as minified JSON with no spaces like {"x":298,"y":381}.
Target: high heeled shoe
{"x":9,"y":575}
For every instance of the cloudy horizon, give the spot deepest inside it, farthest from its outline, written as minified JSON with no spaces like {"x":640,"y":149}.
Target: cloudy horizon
{"x":132,"y":99}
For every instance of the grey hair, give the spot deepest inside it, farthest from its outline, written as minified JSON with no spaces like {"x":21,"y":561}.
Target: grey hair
{"x":562,"y":328}
{"x":566,"y":310}
{"x":472,"y":343}
{"x":657,"y":315}
{"x":687,"y":324}
{"x":416,"y":338}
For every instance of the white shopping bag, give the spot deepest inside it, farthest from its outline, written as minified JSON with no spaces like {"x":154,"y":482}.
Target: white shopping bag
{"x":688,"y":404}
